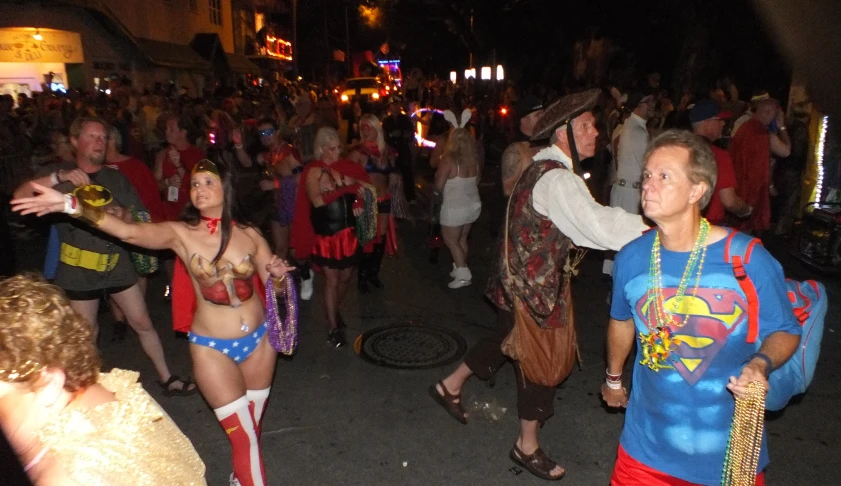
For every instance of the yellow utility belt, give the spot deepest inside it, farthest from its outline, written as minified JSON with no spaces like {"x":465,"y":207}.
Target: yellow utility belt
{"x":98,"y":262}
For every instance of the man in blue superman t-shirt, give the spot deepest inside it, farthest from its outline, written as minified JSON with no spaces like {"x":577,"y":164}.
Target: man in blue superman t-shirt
{"x":680,"y":408}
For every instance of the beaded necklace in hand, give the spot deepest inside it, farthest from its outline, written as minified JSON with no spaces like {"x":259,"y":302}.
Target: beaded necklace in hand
{"x":658,"y":344}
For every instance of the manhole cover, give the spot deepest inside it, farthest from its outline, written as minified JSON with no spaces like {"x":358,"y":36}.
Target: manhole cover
{"x":410,"y":346}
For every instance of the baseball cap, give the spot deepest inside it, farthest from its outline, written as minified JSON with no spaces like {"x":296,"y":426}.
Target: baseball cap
{"x":706,"y":109}
{"x":528,"y":105}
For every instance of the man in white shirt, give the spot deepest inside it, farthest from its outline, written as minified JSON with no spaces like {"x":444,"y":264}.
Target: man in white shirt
{"x":630,"y":150}
{"x":550,"y":212}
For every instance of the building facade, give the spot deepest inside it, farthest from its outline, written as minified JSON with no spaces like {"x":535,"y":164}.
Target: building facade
{"x":85,"y":43}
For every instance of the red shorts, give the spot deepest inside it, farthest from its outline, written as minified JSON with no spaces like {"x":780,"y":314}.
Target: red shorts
{"x":630,"y":472}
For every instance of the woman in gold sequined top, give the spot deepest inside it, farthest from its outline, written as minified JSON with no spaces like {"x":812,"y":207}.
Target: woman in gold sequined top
{"x":69,"y":423}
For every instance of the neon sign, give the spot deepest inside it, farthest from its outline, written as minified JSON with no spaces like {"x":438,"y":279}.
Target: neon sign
{"x":279,"y":48}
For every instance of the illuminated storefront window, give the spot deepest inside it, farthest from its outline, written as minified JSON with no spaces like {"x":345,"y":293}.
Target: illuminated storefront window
{"x":279,"y":48}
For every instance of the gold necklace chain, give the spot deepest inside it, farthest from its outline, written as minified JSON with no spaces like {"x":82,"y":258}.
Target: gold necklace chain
{"x":742,"y":457}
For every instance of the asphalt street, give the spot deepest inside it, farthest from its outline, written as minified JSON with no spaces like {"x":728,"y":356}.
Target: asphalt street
{"x":335,"y":419}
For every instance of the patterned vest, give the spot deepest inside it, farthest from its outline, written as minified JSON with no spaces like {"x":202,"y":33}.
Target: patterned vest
{"x":537,"y":253}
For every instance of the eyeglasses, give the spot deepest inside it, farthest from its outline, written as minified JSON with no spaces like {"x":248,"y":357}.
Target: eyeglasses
{"x":268,"y":132}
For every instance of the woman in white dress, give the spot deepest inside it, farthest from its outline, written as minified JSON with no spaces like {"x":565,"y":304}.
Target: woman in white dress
{"x":457,"y":182}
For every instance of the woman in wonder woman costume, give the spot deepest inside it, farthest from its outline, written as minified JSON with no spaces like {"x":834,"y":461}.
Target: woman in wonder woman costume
{"x":330,"y":198}
{"x":233,"y":363}
{"x":378,"y":160}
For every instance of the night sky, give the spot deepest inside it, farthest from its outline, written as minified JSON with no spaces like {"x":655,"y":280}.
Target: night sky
{"x":534,"y":39}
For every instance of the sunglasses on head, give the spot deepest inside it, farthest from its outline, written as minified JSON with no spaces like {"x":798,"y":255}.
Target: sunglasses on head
{"x":268,"y":132}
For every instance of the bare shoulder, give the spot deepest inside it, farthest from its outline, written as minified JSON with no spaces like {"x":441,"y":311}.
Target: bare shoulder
{"x":252,"y":233}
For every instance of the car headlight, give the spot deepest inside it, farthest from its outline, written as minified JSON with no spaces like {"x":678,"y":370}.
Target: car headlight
{"x":345,"y":98}
{"x":375,"y":96}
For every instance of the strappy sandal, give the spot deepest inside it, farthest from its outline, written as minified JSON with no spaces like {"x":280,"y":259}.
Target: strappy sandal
{"x":448,"y":402}
{"x":184,"y":391}
{"x":538,"y":463}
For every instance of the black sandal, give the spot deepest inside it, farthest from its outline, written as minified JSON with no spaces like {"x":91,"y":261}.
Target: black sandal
{"x":538,"y":463}
{"x":336,"y":338}
{"x":448,"y":402}
{"x":184,"y":391}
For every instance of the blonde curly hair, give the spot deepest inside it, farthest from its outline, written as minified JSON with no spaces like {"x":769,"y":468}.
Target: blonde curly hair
{"x":40,"y":330}
{"x":461,"y":147}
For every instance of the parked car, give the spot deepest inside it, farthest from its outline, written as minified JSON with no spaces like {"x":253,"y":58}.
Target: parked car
{"x":369,"y":92}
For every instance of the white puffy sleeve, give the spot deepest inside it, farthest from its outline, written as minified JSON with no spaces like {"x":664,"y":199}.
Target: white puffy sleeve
{"x":563,"y":197}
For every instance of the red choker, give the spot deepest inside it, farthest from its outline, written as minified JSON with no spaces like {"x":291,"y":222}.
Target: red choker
{"x":212,"y":223}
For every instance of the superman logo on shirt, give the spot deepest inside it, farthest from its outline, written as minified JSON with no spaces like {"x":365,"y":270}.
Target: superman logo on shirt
{"x":702,"y":324}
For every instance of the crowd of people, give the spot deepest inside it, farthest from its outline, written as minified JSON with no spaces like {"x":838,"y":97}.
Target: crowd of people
{"x":138,"y":183}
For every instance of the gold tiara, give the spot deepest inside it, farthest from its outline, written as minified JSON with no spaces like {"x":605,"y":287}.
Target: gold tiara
{"x":22,"y":372}
{"x":206,"y":165}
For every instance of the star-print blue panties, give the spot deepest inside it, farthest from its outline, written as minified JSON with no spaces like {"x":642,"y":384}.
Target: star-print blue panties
{"x":236,"y":349}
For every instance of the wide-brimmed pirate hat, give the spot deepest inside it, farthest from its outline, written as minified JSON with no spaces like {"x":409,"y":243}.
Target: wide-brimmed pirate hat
{"x":563,"y":111}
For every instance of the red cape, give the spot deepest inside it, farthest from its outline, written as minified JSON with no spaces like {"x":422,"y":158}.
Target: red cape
{"x":751,"y":153}
{"x":144,"y":183}
{"x":184,"y":297}
{"x":302,"y":235}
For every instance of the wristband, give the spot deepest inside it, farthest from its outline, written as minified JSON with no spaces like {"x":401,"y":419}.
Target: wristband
{"x":764,"y":357}
{"x":613,"y":385}
{"x":611,"y":377}
{"x":277,"y":184}
{"x":237,"y":145}
{"x":83,"y":212}
{"x":54,"y":178}
{"x":781,"y":129}
{"x":71,"y":205}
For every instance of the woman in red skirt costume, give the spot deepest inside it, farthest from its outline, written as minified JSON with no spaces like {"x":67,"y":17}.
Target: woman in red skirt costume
{"x":327,"y":205}
{"x":377,"y":159}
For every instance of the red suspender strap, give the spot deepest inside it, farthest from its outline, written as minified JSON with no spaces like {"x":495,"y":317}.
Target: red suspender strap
{"x":745,"y":284}
{"x":727,"y":246}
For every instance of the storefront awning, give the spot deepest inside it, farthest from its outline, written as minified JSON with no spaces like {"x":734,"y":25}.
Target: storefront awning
{"x":167,"y":54}
{"x":270,"y":62}
{"x":209,"y":47}
{"x":241,"y":64}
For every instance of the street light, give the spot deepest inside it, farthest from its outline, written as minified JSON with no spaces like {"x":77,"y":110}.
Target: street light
{"x":500,"y":73}
{"x":453,"y":77}
{"x":486,"y":73}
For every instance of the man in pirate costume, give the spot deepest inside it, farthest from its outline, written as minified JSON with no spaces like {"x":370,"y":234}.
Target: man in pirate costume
{"x":550,"y":211}
{"x":91,"y":264}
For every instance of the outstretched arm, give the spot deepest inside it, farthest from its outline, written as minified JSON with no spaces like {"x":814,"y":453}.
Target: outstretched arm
{"x":564,"y":198}
{"x":155,"y":236}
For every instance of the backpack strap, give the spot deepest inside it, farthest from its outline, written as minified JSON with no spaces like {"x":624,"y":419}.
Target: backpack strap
{"x":737,"y":252}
